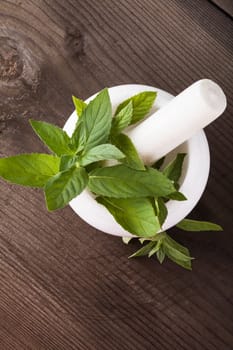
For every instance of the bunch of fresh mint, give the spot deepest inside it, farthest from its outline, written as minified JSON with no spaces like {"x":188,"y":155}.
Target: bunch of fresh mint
{"x":133,"y":193}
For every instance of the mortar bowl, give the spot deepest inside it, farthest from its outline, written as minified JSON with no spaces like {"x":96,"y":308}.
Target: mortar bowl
{"x":192,"y":183}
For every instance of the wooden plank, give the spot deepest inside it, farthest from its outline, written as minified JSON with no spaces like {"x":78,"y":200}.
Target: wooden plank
{"x":225,"y":5}
{"x":63,"y":284}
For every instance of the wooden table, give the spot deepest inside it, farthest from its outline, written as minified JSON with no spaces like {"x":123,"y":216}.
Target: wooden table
{"x":63,"y":284}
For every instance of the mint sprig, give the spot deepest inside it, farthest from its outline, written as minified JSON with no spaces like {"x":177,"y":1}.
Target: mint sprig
{"x":134,"y":194}
{"x":164,"y":246}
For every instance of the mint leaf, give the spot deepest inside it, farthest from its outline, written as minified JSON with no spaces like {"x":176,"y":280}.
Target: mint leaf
{"x":177,"y":253}
{"x":161,"y":210}
{"x":175,"y":244}
{"x":158,"y":163}
{"x":142,"y":104}
{"x":122,"y":119}
{"x":78,"y":138}
{"x":174,"y":169}
{"x":136,"y":215}
{"x":121,"y":181}
{"x":194,"y":225}
{"x":67,"y":161}
{"x":132,"y":158}
{"x":177,"y":257}
{"x":29,"y":169}
{"x":155,"y":248}
{"x":80,"y":105}
{"x":97,"y":119}
{"x":54,"y":137}
{"x":64,"y":186}
{"x":101,"y":152}
{"x":160,"y":255}
{"x":145,"y":250}
{"x":177,"y":196}
{"x":95,"y":124}
{"x":93,"y":127}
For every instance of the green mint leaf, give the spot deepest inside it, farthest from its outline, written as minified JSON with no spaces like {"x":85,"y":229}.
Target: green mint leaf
{"x":177,"y":253}
{"x":67,"y":161}
{"x":160,"y":255}
{"x":158,"y":163}
{"x":177,"y":257}
{"x":126,"y":240}
{"x":177,"y":196}
{"x":78,"y":138}
{"x":64,"y":186}
{"x":136,"y":215}
{"x":53,"y":137}
{"x":122,"y":119}
{"x":143,"y":251}
{"x":97,"y":119}
{"x":142,"y":104}
{"x":155,"y":248}
{"x":101,"y":152}
{"x":80,"y":105}
{"x":121,"y":181}
{"x":132,"y":158}
{"x":95,"y":124}
{"x":174,"y":169}
{"x":161,"y":210}
{"x":194,"y":225}
{"x":29,"y":169}
{"x":175,"y":244}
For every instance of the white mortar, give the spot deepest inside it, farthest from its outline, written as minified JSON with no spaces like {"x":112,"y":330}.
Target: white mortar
{"x":193,"y":181}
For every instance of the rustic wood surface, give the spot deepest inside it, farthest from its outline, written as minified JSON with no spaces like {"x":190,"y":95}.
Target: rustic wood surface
{"x":63,"y":284}
{"x":225,"y":5}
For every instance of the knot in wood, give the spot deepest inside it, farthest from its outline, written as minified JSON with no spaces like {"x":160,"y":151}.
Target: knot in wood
{"x":74,"y":41}
{"x":11,"y":65}
{"x":20,"y":74}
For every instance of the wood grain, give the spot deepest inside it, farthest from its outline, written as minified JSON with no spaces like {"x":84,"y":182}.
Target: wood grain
{"x":63,"y":284}
{"x":225,"y":5}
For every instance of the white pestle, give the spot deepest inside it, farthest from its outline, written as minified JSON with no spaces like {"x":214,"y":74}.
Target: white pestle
{"x":190,"y":111}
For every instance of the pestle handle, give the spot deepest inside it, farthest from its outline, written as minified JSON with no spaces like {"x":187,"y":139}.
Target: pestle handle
{"x":192,"y":110}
